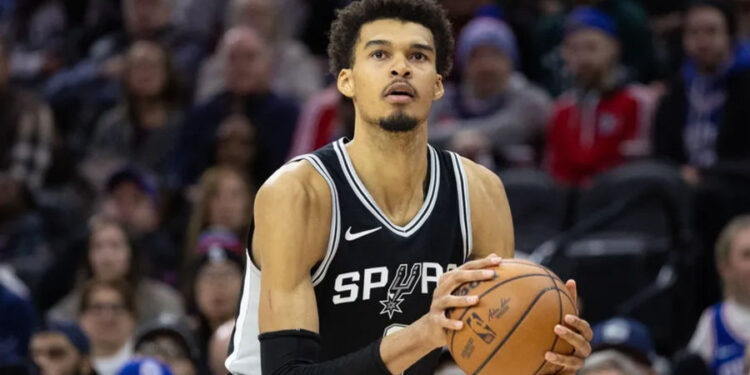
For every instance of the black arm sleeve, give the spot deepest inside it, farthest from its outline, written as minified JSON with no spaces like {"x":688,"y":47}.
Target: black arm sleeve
{"x":296,"y":352}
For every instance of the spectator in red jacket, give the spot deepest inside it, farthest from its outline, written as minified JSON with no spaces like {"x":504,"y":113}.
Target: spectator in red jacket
{"x":592,"y":124}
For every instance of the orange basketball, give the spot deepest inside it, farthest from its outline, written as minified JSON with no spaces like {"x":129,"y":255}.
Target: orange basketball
{"x":511,"y":327}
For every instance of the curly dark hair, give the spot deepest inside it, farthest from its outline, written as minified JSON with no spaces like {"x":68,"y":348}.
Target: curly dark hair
{"x":345,"y":29}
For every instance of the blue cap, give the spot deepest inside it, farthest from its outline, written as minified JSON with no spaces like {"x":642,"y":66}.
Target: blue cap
{"x":142,"y":179}
{"x":71,"y":331}
{"x":626,"y":335}
{"x":144,"y":366}
{"x":590,"y":18}
{"x":486,"y":31}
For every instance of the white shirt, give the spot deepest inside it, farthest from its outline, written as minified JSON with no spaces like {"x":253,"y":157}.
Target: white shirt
{"x":737,"y":320}
{"x":111,"y":365}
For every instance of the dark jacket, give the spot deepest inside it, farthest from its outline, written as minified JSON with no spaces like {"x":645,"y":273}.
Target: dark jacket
{"x":733,"y":142}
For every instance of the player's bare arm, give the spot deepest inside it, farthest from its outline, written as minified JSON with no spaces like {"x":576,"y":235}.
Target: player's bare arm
{"x":292,"y":216}
{"x":493,"y":233}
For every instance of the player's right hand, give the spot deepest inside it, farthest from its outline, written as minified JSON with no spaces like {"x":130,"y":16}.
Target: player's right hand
{"x":435,"y":322}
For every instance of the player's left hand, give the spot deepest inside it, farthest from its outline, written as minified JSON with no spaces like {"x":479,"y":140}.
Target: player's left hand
{"x":577,"y":332}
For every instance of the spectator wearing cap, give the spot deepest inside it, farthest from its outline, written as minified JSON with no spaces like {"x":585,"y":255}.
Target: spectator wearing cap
{"x":593,"y":124}
{"x":61,"y":348}
{"x":132,"y":197}
{"x":144,"y":366}
{"x":248,"y":91}
{"x":723,"y":332}
{"x":215,"y":283}
{"x":107,"y":314}
{"x":629,"y":337}
{"x":494,"y":108}
{"x":168,"y":339}
{"x":111,"y":256}
{"x":225,"y":202}
{"x":143,"y":127}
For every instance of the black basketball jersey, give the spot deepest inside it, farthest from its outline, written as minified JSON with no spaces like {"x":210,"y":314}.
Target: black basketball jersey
{"x":378,"y":277}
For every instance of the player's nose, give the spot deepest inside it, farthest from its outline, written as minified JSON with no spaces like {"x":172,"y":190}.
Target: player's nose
{"x":400,"y":68}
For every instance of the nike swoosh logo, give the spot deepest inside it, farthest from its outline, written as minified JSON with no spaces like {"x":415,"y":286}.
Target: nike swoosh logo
{"x":353,"y":236}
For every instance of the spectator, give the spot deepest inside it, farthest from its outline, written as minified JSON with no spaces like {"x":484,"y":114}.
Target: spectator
{"x":628,"y":337}
{"x":143,"y":127}
{"x":111,"y":257}
{"x":23,"y":242}
{"x":81,"y":93}
{"x":701,"y":121}
{"x":295,"y":73}
{"x":236,"y":146}
{"x":38,"y":35}
{"x":27,"y":130}
{"x":61,"y":348}
{"x":248,"y":92}
{"x":215,"y":283}
{"x":635,"y":38}
{"x":144,"y":366}
{"x":723,"y":332}
{"x":107,"y":314}
{"x":132,"y":197}
{"x":225,"y":202}
{"x":591,"y":125}
{"x":494,"y":108}
{"x":609,"y":362}
{"x":15,"y":328}
{"x":218,"y":348}
{"x":169,"y":340}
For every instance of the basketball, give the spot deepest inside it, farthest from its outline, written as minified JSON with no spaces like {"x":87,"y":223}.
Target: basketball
{"x":512,"y":326}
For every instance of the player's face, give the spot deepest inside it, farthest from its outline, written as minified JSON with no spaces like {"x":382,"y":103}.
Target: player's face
{"x":394,"y":74}
{"x":54,"y":354}
{"x":737,"y":270}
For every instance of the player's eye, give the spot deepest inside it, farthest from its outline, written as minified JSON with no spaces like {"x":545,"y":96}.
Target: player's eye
{"x":379,"y":54}
{"x":418,"y":56}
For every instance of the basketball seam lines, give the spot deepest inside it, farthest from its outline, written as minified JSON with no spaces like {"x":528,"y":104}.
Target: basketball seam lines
{"x":512,"y":330}
{"x":559,"y":319}
{"x":466,"y":310}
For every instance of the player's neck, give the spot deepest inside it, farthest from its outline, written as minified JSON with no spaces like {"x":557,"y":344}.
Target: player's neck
{"x":393,"y":168}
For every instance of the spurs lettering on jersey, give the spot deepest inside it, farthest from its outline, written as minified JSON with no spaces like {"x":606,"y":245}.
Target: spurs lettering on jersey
{"x":405,"y":281}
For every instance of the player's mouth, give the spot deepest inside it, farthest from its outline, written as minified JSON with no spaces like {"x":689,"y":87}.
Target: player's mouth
{"x":399,"y":92}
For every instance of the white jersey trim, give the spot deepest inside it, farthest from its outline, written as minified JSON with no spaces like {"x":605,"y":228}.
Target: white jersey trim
{"x":464,"y":204}
{"x":245,"y":356}
{"x":335,"y":233}
{"x":369,"y":202}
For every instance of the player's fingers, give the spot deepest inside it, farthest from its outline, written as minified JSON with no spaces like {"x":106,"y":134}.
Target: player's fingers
{"x":491,"y":261}
{"x":582,"y":346}
{"x":583,"y":327}
{"x":450,"y":324}
{"x":567,"y":361}
{"x":572,"y":289}
{"x":451,"y":280}
{"x":446,"y":302}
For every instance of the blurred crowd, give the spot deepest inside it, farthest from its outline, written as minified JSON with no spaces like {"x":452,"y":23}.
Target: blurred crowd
{"x":134,"y":134}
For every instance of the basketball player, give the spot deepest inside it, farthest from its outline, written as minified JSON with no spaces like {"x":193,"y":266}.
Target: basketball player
{"x":361,"y":243}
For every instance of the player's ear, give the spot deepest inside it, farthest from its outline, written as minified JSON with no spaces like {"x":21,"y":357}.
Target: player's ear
{"x":439,"y":88}
{"x":345,"y":83}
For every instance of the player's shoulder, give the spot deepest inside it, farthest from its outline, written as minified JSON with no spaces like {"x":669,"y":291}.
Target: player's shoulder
{"x":294,"y":184}
{"x":483,"y":183}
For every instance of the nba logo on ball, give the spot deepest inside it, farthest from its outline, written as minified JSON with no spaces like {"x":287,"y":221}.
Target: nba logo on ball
{"x":512,"y":326}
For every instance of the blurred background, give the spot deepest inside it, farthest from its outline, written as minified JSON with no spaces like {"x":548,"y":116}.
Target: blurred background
{"x":134,"y":134}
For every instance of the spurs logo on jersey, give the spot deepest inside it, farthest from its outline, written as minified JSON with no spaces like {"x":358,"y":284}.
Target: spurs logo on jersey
{"x":403,"y":284}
